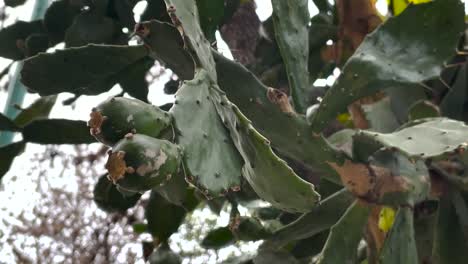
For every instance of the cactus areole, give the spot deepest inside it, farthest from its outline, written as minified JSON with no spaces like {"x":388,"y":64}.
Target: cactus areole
{"x":114,"y":118}
{"x":139,"y":163}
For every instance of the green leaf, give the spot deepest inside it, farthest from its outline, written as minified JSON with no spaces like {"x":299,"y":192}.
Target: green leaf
{"x":167,"y":46}
{"x":185,"y":17}
{"x":400,"y":244}
{"x":319,"y":219}
{"x":6,"y":124}
{"x":218,"y":238}
{"x":13,"y":38}
{"x":140,"y":228}
{"x":39,"y":109}
{"x":89,"y":70}
{"x":109,"y":199}
{"x":291,"y":19}
{"x":263,"y":169}
{"x":211,"y":159}
{"x":7,"y":154}
{"x":405,"y":50}
{"x":57,"y":131}
{"x":434,"y":138}
{"x":289,"y":134}
{"x":345,"y":235}
{"x":211,"y":14}
{"x":163,"y":217}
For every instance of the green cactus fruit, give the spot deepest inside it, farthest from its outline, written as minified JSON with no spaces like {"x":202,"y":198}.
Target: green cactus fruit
{"x":114,"y":118}
{"x":139,"y":163}
{"x":109,"y":199}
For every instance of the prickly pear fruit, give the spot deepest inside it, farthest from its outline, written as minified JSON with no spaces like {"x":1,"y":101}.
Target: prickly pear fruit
{"x":109,"y":199}
{"x":114,"y":118}
{"x":139,"y":163}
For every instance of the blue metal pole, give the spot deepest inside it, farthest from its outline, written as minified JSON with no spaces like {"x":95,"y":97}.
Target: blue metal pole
{"x":16,"y":90}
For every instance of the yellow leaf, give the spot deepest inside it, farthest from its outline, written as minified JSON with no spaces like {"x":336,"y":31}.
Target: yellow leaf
{"x":397,"y":6}
{"x":386,"y":218}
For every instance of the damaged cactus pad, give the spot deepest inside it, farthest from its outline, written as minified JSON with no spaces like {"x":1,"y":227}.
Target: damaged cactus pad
{"x":139,"y":163}
{"x":114,"y":118}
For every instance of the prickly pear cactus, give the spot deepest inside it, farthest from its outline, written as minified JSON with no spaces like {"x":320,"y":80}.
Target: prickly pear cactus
{"x":114,"y":118}
{"x":139,"y":163}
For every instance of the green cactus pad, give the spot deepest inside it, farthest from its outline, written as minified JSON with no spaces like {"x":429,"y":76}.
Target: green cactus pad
{"x":39,"y":109}
{"x":291,"y":19}
{"x":434,"y":138}
{"x":250,"y":229}
{"x":319,"y":219}
{"x":211,"y":14}
{"x":212,"y":161}
{"x":400,"y":244}
{"x":89,"y":70}
{"x":423,"y":109}
{"x":185,"y":17}
{"x":270,"y":177}
{"x":407,"y":49}
{"x":114,"y":118}
{"x":449,"y":240}
{"x":12,"y":35}
{"x":345,"y":235}
{"x":57,"y":131}
{"x":218,"y":238}
{"x":164,"y":218}
{"x":380,"y":116}
{"x":139,"y":163}
{"x":91,"y":27}
{"x":8,"y":153}
{"x":109,"y":199}
{"x":289,"y":134}
{"x":411,"y":178}
{"x":164,"y":255}
{"x":177,"y":191}
{"x":167,"y":45}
